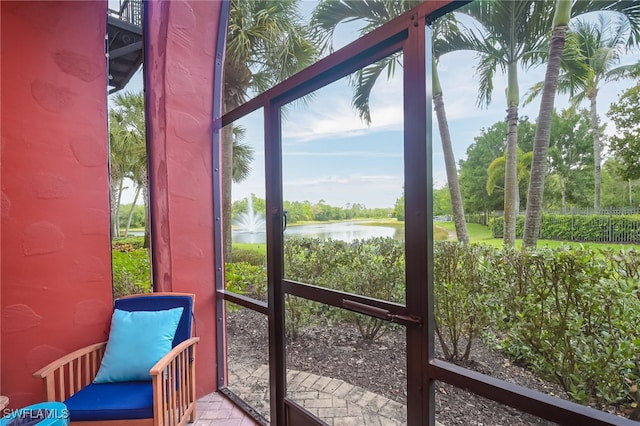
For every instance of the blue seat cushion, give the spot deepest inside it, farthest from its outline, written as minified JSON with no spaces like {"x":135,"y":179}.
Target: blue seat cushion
{"x":112,"y":401}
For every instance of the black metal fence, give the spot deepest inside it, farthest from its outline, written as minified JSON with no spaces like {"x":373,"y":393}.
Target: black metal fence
{"x":621,"y":225}
{"x":481,"y":218}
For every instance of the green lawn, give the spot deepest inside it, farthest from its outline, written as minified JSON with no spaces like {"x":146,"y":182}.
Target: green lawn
{"x":261,"y":248}
{"x":477,"y":233}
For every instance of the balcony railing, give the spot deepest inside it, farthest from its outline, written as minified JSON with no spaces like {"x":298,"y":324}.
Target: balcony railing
{"x":129,"y":11}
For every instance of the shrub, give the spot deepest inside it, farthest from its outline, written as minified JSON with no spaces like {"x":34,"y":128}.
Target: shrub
{"x":572,"y":318}
{"x":374,"y":268}
{"x":244,"y":278}
{"x":131,"y":272}
{"x":252,"y":257}
{"x":308,"y":260}
{"x":461,"y":296}
{"x":128,"y":244}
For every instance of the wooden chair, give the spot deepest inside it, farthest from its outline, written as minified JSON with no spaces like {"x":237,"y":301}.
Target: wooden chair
{"x":168,"y":399}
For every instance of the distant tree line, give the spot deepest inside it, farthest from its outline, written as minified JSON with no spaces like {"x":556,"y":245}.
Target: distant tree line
{"x":301,"y":211}
{"x":137,"y":218}
{"x":569,"y":177}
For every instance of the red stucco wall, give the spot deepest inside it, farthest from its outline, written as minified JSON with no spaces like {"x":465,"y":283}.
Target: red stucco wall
{"x":56,"y":270}
{"x":179,"y":66}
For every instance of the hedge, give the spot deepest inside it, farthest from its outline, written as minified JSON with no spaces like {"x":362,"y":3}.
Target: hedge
{"x":593,"y":228}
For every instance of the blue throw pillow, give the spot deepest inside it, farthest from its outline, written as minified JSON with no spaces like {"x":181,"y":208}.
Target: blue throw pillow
{"x":137,"y":341}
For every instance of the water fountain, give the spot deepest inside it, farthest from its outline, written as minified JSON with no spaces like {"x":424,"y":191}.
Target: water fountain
{"x":249,"y":221}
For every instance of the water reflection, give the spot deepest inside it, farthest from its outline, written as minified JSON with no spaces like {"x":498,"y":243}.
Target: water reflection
{"x":344,"y":231}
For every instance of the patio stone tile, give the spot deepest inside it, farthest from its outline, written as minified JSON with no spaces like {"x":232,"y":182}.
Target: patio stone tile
{"x":366,"y":398}
{"x":354,"y":409}
{"x":333,"y":385}
{"x":334,"y":401}
{"x":355,"y":394}
{"x":343,"y":390}
{"x":377,"y":402}
{"x":347,"y":421}
{"x":339,"y":402}
{"x":371,"y":420}
{"x":321,"y":383}
{"x":301,"y":377}
{"x":228,"y":422}
{"x":332,"y":412}
{"x":318,"y":403}
{"x":309,"y":381}
{"x":394,"y":410}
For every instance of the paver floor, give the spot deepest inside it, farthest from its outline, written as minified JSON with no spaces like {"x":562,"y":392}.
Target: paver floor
{"x":334,"y":401}
{"x":215,"y":410}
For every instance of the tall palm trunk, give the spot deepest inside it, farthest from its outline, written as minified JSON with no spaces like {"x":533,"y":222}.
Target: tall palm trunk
{"x":597,"y":151}
{"x":449,"y":161}
{"x":131,"y":210}
{"x":227,"y":180}
{"x":511,"y":177}
{"x":543,"y":128}
{"x":116,"y":210}
{"x":147,"y":212}
{"x":113,"y":199}
{"x":511,"y":165}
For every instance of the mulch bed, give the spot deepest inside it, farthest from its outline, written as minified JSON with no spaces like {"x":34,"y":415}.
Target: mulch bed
{"x":338,"y":351}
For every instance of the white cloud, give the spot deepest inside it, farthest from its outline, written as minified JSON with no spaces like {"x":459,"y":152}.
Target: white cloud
{"x":331,"y":115}
{"x":337,"y":190}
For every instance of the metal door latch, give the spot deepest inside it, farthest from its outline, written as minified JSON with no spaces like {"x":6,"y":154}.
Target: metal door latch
{"x":381,"y":313}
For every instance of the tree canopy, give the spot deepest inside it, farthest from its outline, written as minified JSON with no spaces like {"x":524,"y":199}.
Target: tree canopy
{"x":625,"y":145}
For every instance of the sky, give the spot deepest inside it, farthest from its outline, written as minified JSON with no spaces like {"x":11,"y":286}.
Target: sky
{"x":329,"y":154}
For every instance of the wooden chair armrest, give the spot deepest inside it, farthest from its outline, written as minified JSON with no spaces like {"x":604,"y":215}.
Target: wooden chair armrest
{"x":67,"y":359}
{"x":160,"y":366}
{"x":174,"y":385}
{"x":65,"y":376}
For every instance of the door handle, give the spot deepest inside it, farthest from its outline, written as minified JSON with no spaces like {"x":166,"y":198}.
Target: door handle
{"x":284,"y":221}
{"x":381,"y":313}
{"x":366,"y":309}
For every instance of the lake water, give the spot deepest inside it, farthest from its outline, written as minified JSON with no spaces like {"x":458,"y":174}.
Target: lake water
{"x":345,"y":231}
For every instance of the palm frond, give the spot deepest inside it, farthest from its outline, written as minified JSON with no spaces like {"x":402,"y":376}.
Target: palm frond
{"x":242,"y":155}
{"x":495,"y":173}
{"x":374,"y":13}
{"x":621,"y":72}
{"x":363,"y":82}
{"x":533,"y":93}
{"x":630,"y":10}
{"x":266,"y":43}
{"x":486,"y":69}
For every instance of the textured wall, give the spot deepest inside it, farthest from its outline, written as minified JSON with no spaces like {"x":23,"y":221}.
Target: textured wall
{"x":179,"y":67}
{"x":56,"y":270}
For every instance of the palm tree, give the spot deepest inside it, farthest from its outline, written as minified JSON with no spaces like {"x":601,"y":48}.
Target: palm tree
{"x":266,"y":43}
{"x":118,"y":165}
{"x":506,"y":34}
{"x":543,"y":129}
{"x":242,"y":155}
{"x":629,"y":12}
{"x":509,"y":34}
{"x":330,"y":13}
{"x":497,"y":168}
{"x":600,"y":46}
{"x":128,"y":146}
